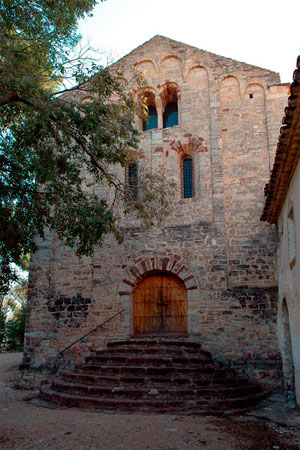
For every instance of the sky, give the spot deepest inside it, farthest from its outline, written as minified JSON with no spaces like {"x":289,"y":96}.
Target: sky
{"x":264,"y":33}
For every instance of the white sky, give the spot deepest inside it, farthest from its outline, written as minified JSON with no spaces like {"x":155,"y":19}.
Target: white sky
{"x":261,"y":32}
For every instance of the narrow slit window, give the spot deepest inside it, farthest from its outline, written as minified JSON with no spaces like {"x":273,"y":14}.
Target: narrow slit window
{"x":132,"y":176}
{"x":187,"y":177}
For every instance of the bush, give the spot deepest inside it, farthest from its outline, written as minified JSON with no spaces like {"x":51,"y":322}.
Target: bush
{"x":12,"y":318}
{"x":15,"y":328}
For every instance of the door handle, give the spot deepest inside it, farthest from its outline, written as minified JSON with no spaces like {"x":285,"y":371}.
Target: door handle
{"x":162,"y":303}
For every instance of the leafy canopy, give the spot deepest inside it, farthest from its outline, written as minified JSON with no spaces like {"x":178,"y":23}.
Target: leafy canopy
{"x":47,"y":138}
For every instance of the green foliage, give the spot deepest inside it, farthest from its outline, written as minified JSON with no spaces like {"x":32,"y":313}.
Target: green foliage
{"x":155,"y":199}
{"x":12,"y":317}
{"x":48,"y":140}
{"x":15,"y":330}
{"x":3,"y":315}
{"x":53,"y":146}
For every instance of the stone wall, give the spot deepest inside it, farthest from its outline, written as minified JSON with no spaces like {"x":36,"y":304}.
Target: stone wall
{"x":214,"y":241}
{"x":289,"y":290}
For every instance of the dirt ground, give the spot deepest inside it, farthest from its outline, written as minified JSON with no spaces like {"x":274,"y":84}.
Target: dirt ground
{"x":25,"y":426}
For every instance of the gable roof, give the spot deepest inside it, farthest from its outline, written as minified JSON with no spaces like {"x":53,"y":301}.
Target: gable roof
{"x":287,"y":154}
{"x":180,"y":47}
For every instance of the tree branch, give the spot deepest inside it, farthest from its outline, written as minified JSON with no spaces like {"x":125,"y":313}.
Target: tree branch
{"x":13,"y":98}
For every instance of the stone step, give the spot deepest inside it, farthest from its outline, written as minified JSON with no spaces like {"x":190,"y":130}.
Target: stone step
{"x":162,"y":343}
{"x":162,"y":375}
{"x":137,"y":351}
{"x":154,"y":370}
{"x":156,"y":360}
{"x":67,"y":399}
{"x":233,"y":403}
{"x":222,"y":381}
{"x":187,"y":370}
{"x":108,"y":380}
{"x":94,"y":378}
{"x":181,"y":406}
{"x":156,"y":350}
{"x":123,"y":391}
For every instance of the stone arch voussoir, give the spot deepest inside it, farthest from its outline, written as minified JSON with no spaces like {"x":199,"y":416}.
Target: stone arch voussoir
{"x":188,"y":145}
{"x":145,"y":265}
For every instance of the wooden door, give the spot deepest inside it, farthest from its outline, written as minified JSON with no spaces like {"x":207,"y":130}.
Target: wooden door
{"x":160,"y":306}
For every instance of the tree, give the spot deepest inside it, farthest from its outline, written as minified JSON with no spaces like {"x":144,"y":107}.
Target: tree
{"x":48,"y":138}
{"x":12,"y":317}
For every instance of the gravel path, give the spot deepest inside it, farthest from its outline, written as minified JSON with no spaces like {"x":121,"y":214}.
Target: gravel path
{"x":25,"y":426}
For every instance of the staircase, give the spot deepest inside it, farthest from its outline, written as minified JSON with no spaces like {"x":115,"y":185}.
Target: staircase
{"x":154,"y":375}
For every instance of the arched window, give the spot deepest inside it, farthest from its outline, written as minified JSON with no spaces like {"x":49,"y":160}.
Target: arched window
{"x":150,"y":122}
{"x":170,"y":117}
{"x":169,"y":98}
{"x":132,"y":179}
{"x":187,"y":177}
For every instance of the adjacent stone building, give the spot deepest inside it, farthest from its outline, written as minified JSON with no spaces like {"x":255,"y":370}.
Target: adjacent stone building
{"x":282,"y":208}
{"x":208,"y":273}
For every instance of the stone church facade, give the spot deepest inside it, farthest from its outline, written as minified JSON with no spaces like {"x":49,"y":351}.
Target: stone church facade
{"x":208,"y":273}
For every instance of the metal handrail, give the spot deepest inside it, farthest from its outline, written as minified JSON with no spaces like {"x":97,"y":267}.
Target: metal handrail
{"x":87,"y":334}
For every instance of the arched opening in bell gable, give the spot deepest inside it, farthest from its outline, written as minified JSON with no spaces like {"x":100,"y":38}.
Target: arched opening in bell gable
{"x":150,"y":121}
{"x":169,"y":98}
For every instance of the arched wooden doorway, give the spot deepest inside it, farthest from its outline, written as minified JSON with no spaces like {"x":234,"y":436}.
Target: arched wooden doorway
{"x":160,"y":306}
